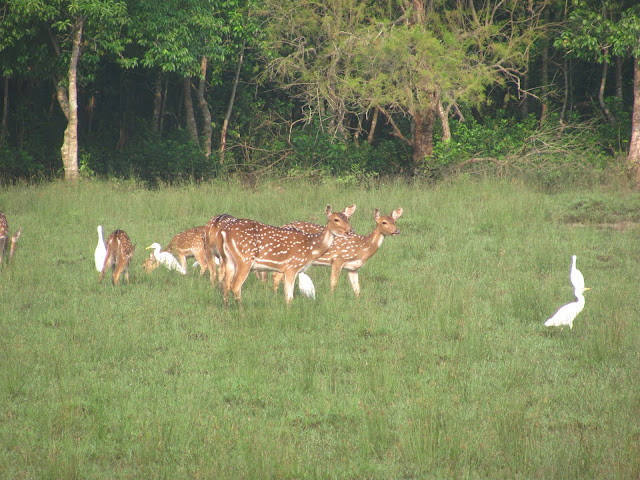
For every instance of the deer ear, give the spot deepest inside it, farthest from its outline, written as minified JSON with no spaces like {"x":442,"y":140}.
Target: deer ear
{"x":376,"y":214}
{"x":397,"y":213}
{"x":328,"y":210}
{"x":349,"y":210}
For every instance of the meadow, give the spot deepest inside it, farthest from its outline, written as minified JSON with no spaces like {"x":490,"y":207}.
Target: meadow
{"x":442,"y":369}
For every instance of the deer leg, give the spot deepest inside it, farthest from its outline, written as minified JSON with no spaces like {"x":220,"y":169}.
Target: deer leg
{"x":3,"y":241}
{"x":211,"y":265}
{"x":105,"y":267}
{"x":336,"y":266}
{"x":241,"y":276}
{"x":126,"y":272}
{"x":229,"y":273}
{"x":222,"y":272}
{"x":289,"y":283}
{"x":14,"y":242}
{"x":202,"y":261}
{"x":182,"y":260}
{"x":222,"y":254}
{"x":117,"y":271}
{"x":277,"y":280}
{"x":355,"y":283}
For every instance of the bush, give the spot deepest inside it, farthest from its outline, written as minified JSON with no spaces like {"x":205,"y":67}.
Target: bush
{"x":154,"y":159}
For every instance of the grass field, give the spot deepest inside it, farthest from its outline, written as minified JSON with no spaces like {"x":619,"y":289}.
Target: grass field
{"x":442,"y":369}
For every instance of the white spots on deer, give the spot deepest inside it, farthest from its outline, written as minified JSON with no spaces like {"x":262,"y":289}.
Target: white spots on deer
{"x":119,"y":253}
{"x":254,"y":245}
{"x":184,"y":245}
{"x":352,"y":252}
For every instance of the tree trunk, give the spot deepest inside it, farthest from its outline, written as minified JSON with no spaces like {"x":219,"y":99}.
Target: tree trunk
{"x":603,"y":82}
{"x":68,"y":100}
{"x":124,"y":101}
{"x":374,"y":122}
{"x":633,"y":158}
{"x":4,"y":128}
{"x":188,"y":110}
{"x":423,"y":122}
{"x":157,"y":103}
{"x":225,"y":124}
{"x":207,"y":130}
{"x":444,"y":120}
{"x":544,"y":80}
{"x":90,"y":109}
{"x":163,"y":109}
{"x":565,"y":91}
{"x":544,"y":91}
{"x":524,"y":110}
{"x":122,"y":137}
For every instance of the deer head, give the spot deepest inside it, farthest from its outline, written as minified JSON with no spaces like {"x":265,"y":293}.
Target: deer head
{"x":387,"y":223}
{"x":150,"y":264}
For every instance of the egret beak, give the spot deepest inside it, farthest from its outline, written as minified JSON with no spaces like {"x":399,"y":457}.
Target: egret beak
{"x":150,"y":246}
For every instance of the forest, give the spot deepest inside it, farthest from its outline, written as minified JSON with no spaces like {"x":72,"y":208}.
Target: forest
{"x":164,"y":92}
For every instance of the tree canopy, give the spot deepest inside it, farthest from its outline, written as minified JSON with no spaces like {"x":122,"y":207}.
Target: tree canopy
{"x":294,"y":84}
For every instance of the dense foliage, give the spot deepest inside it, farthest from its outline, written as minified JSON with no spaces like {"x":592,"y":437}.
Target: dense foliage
{"x":352,"y":89}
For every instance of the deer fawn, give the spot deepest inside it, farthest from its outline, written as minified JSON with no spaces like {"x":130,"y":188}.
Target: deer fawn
{"x":352,"y":252}
{"x":249,"y":245}
{"x":119,"y":253}
{"x":4,"y":234}
{"x":183,"y":245}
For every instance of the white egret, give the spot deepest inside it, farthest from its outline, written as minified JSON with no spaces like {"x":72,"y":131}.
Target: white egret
{"x":568,"y":313}
{"x":576,"y":277}
{"x":166,"y":258}
{"x":306,"y":286}
{"x":101,"y":251}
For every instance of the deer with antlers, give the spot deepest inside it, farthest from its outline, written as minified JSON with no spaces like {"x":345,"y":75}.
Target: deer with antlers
{"x":4,"y":234}
{"x":249,"y":245}
{"x":119,"y":253}
{"x":183,"y":245}
{"x":350,"y":253}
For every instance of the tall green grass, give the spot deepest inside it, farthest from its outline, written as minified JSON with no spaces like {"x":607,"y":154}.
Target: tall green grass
{"x":442,"y":369}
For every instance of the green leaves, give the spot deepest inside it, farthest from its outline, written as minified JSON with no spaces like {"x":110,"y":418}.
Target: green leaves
{"x":174,"y":35}
{"x":601,"y":29}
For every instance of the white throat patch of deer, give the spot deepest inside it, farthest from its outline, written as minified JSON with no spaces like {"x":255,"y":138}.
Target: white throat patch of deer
{"x":119,"y":253}
{"x":352,"y":252}
{"x":249,"y":245}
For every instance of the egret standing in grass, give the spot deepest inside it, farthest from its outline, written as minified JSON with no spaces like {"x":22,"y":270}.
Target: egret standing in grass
{"x":101,"y":251}
{"x":166,"y":258}
{"x":576,"y":277}
{"x":568,"y":313}
{"x":306,"y":286}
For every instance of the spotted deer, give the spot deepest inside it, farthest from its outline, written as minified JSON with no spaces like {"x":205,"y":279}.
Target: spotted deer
{"x":119,"y":253}
{"x":249,"y":245}
{"x":213,"y":245}
{"x":350,"y":253}
{"x":4,"y":234}
{"x":183,"y":245}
